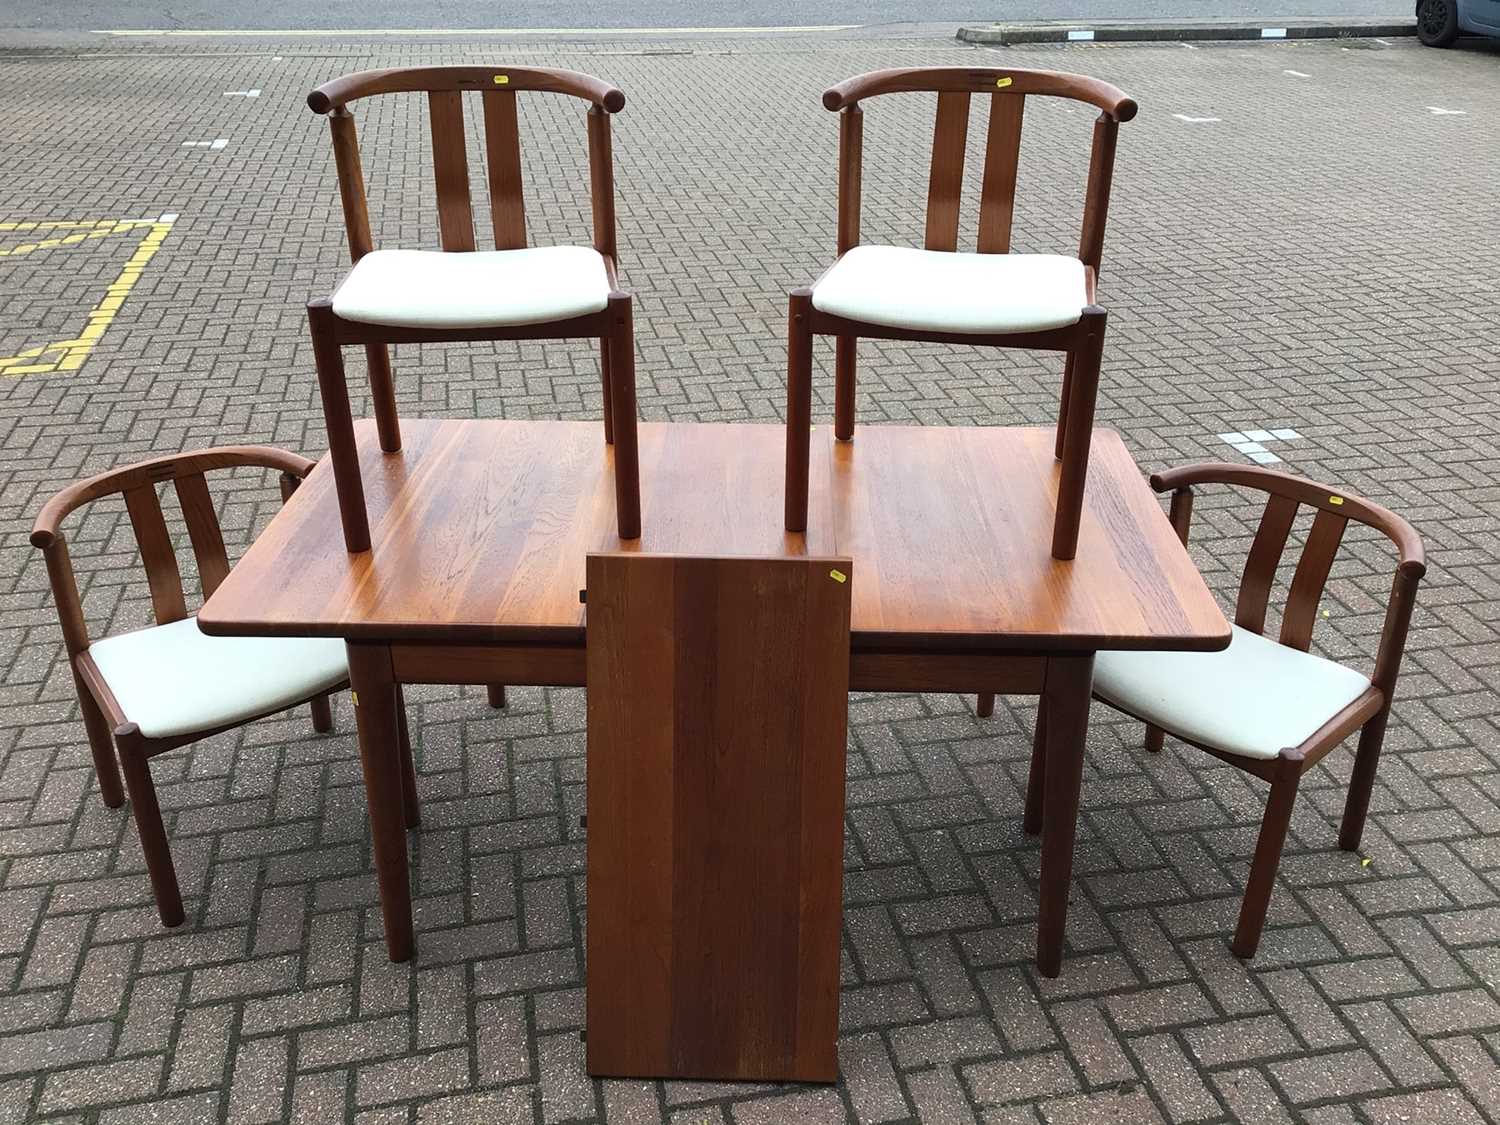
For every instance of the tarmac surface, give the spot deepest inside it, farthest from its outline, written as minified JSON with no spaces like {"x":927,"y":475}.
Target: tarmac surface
{"x":1297,"y":243}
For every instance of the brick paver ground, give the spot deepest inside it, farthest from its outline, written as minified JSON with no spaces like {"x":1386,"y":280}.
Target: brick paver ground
{"x":1322,"y":258}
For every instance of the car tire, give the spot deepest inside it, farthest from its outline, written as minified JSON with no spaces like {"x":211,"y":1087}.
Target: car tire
{"x":1437,"y":22}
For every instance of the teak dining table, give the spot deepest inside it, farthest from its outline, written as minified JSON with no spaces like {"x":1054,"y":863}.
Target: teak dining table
{"x":480,"y":531}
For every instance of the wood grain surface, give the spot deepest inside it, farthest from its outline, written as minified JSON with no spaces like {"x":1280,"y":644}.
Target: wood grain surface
{"x":717,"y":716}
{"x":480,"y":530}
{"x":950,"y":527}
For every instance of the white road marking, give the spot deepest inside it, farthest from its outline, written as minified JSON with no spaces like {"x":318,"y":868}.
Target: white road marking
{"x":1439,"y":111}
{"x":1296,"y":74}
{"x":1252,"y":443}
{"x":215,"y":144}
{"x":408,"y":32}
{"x":1194,"y":120}
{"x":242,"y":93}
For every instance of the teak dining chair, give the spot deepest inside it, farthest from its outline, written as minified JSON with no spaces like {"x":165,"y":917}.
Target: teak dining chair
{"x":939,"y":294}
{"x":145,"y":692}
{"x":1271,"y":708}
{"x":459,"y":293}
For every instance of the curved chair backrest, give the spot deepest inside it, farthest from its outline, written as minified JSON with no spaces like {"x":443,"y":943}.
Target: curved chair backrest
{"x":445,"y":87}
{"x":954,"y":86}
{"x":1285,"y":495}
{"x":137,"y":483}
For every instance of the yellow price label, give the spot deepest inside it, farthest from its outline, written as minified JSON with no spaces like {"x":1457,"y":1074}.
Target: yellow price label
{"x":838,"y":576}
{"x":1001,"y":83}
{"x":502,"y":80}
{"x":1335,"y":500}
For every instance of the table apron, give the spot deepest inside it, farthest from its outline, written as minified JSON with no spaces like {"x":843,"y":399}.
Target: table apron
{"x":532,"y":665}
{"x":563,"y":666}
{"x":959,"y":672}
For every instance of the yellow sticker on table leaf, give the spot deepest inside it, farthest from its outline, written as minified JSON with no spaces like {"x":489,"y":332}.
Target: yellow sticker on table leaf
{"x":502,"y":80}
{"x":1001,"y":83}
{"x":838,"y":576}
{"x":1335,"y":499}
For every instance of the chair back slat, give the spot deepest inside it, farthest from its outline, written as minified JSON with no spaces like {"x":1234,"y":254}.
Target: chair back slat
{"x":1096,"y":201}
{"x":949,"y":137}
{"x":997,"y":195}
{"x":450,"y":162}
{"x":602,"y":181}
{"x":160,"y":560}
{"x":351,"y":182}
{"x":1260,"y":567}
{"x":851,"y":169}
{"x":203,"y":530}
{"x":1309,"y":579}
{"x":502,"y":143}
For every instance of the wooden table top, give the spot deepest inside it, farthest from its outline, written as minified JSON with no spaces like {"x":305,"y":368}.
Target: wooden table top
{"x":480,"y":531}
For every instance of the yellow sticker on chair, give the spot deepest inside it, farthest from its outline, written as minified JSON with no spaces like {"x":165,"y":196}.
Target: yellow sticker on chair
{"x":838,"y":576}
{"x":1335,"y":499}
{"x":1001,"y":83}
{"x":502,"y":80}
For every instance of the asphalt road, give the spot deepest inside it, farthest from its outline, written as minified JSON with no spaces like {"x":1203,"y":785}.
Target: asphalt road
{"x":86,"y":15}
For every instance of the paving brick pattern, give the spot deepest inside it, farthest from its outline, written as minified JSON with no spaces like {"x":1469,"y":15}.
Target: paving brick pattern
{"x":1322,"y":258}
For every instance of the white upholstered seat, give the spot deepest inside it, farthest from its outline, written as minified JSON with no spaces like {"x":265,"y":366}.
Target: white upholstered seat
{"x":476,"y":289}
{"x":939,"y":291}
{"x":174,"y":679}
{"x":1254,"y":698}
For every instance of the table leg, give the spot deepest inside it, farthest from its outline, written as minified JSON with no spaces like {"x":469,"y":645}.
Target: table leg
{"x":1065,"y":704}
{"x":375,"y":710}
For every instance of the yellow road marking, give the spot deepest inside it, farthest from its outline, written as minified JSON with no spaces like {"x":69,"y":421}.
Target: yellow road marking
{"x":102,"y":230}
{"x":68,"y":355}
{"x":63,"y":224}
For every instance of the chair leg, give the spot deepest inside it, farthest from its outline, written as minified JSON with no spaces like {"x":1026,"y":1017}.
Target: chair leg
{"x":1272,"y":839}
{"x":409,"y":804}
{"x":846,"y":356}
{"x":1079,"y":432}
{"x":1155,"y":738}
{"x":798,"y":407}
{"x":984,"y":706}
{"x":1036,"y":777}
{"x":322,"y":713}
{"x":496,"y":694}
{"x":147,"y":815}
{"x":102,"y":745}
{"x":1362,"y":783}
{"x":605,"y":379}
{"x":1062,"y":408}
{"x":383,"y":393}
{"x":339,"y":419}
{"x":622,"y":407}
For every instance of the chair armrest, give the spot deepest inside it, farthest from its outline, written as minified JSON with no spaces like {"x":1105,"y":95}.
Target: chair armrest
{"x":155,"y":470}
